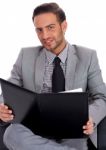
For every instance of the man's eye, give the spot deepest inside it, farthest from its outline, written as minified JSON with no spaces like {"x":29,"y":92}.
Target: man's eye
{"x":51,"y":27}
{"x":38,"y":30}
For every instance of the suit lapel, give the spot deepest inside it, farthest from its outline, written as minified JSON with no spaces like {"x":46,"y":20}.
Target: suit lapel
{"x":39,"y":71}
{"x":71,"y":67}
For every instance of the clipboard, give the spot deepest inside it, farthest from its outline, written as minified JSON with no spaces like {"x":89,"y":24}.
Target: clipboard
{"x":51,"y":115}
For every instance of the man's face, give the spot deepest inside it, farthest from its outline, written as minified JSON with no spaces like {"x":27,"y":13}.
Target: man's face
{"x":50,"y":32}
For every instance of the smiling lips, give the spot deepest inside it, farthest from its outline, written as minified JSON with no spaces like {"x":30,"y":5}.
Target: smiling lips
{"x":48,"y":42}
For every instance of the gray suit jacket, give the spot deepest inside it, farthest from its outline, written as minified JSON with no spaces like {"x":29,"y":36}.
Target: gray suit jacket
{"x":82,"y":71}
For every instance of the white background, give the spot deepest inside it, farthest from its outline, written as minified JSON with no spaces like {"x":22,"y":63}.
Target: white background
{"x":86,"y":27}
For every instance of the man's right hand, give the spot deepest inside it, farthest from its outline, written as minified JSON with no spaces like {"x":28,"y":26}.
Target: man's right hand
{"x":5,"y":113}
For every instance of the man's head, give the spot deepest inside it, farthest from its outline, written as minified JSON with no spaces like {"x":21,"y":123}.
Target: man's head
{"x":50,"y":24}
{"x":50,"y":8}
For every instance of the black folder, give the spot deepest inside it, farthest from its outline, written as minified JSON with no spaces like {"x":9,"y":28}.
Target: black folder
{"x":51,"y":115}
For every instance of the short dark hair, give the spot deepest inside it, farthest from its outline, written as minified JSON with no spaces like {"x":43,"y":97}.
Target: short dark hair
{"x":50,"y":7}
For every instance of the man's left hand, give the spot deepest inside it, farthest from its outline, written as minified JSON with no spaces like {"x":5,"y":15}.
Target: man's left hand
{"x":89,"y":127}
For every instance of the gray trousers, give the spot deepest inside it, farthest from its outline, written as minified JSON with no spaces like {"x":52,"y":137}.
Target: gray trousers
{"x":18,"y":137}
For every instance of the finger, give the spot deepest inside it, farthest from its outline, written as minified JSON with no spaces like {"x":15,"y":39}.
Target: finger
{"x":6,"y":120}
{"x":89,"y":123}
{"x":88,"y":132}
{"x":6,"y":117}
{"x":90,"y":120}
{"x":4,"y":109}
{"x":88,"y":129}
{"x":88,"y":126}
{"x":5,"y":112}
{"x":3,"y":105}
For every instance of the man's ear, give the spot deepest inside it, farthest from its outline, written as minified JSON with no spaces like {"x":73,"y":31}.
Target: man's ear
{"x":64,"y":26}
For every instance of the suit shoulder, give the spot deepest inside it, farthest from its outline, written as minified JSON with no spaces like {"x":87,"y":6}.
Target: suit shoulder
{"x":28,"y":53}
{"x":84,"y":52}
{"x":31,"y":50}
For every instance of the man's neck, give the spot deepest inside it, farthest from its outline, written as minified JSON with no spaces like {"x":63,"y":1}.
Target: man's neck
{"x":59,"y":49}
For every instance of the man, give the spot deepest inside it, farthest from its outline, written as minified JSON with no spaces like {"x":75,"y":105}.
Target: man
{"x":33,"y":70}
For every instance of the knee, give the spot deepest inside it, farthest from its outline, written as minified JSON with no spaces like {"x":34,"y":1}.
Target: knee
{"x":11,"y":135}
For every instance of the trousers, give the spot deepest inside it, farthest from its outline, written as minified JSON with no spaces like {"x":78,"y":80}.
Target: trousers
{"x":19,"y":137}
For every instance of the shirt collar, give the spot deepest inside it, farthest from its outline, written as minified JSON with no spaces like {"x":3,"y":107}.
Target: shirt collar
{"x":63,"y":55}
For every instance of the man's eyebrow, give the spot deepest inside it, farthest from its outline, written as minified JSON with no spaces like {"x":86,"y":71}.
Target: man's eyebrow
{"x":50,"y":25}
{"x":46,"y":26}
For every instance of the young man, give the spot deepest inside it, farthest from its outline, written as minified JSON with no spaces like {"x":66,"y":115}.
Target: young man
{"x":33,"y":70}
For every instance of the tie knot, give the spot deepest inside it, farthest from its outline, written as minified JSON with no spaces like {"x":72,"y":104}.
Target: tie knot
{"x":57,"y":60}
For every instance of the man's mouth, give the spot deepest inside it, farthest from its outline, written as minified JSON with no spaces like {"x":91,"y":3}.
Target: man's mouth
{"x":48,"y":42}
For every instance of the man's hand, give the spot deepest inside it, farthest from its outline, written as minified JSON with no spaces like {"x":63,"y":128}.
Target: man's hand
{"x":89,"y":127}
{"x":5,"y":113}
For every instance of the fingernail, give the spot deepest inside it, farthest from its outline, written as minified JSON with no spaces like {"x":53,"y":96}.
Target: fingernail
{"x":84,"y":132}
{"x":12,"y":116}
{"x":10,"y":111}
{"x":6,"y":107}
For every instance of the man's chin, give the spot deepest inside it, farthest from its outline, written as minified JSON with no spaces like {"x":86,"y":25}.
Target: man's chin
{"x":49,"y":48}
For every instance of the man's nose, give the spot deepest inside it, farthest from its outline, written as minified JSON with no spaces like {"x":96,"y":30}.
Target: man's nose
{"x":45,"y":34}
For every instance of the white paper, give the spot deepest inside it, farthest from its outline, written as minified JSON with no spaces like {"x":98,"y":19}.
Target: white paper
{"x":74,"y":90}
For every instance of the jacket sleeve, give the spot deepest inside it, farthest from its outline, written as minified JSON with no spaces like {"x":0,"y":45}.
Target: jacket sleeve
{"x":97,"y":90}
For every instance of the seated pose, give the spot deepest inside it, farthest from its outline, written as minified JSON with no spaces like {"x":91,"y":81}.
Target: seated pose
{"x":34,"y":70}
